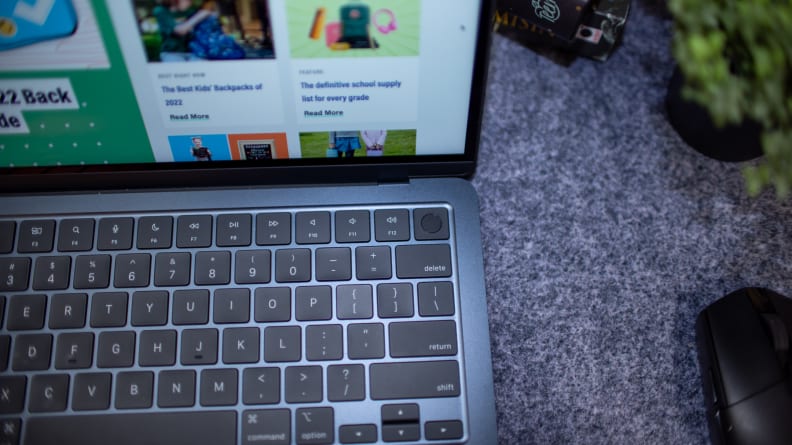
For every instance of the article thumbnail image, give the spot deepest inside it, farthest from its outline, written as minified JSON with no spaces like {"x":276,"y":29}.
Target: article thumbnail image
{"x":357,"y":143}
{"x":353,"y":28}
{"x":200,"y":30}
{"x":64,"y":35}
{"x":258,"y":146}
{"x":199,"y":148}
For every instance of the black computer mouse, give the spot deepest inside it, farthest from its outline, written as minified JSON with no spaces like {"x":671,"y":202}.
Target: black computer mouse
{"x":744,"y":353}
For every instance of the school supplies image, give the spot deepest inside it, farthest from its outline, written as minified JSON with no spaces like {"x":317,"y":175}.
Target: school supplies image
{"x":25,"y":22}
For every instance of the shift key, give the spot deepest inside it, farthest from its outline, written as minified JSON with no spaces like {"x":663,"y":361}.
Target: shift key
{"x":423,"y":261}
{"x":414,"y":380}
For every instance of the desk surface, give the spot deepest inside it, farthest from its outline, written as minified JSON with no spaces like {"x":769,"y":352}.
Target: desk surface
{"x":604,"y":236}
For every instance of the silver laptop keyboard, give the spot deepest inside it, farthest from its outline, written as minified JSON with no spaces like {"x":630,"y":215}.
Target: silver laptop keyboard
{"x":306,"y":326}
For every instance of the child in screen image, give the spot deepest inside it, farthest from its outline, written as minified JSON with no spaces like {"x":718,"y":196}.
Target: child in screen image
{"x":177,"y":19}
{"x":198,"y":151}
{"x":374,"y":140}
{"x":343,"y":144}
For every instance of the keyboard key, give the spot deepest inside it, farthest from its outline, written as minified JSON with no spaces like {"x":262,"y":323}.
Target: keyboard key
{"x":154,"y":232}
{"x":2,"y":309}
{"x":282,"y":344}
{"x":75,"y":235}
{"x":303,"y":384}
{"x":422,"y":338}
{"x":108,"y":309}
{"x":423,"y":261}
{"x":314,"y":426}
{"x":274,"y":424}
{"x":7,"y":229}
{"x":157,"y":348}
{"x":345,"y":383}
{"x":312,"y":228}
{"x":392,"y":225}
{"x":36,"y":236}
{"x":115,"y":233}
{"x":334,"y":264}
{"x":48,"y":393}
{"x":292,"y":265}
{"x":199,"y":346}
{"x":273,"y":229}
{"x":194,"y":231}
{"x":436,"y":299}
{"x":116,"y":349}
{"x":261,"y":386}
{"x":134,"y":389}
{"x":395,"y":300}
{"x":240,"y":345}
{"x":272,"y":304}
{"x":212,"y":268}
{"x":218,"y":387}
{"x":14,"y":274}
{"x":443,"y":430}
{"x":373,"y":263}
{"x":176,"y":389}
{"x":12,"y":394}
{"x":313,"y":303}
{"x":172,"y":428}
{"x":354,"y":301}
{"x":149,"y":308}
{"x":190,"y":307}
{"x":431,"y":224}
{"x":132,"y":270}
{"x":401,"y":432}
{"x":400,"y":413}
{"x":234,"y":230}
{"x":91,"y":391}
{"x":74,"y":350}
{"x":231,"y":305}
{"x":172,"y":269}
{"x":366,"y":433}
{"x":32,"y":352}
{"x":365,"y":341}
{"x":414,"y":380}
{"x":5,"y":351}
{"x":51,"y":273}
{"x":68,"y":311}
{"x":352,"y":226}
{"x":10,"y":431}
{"x":92,"y":272}
{"x":324,"y":342}
{"x":26,"y":312}
{"x":252,"y":267}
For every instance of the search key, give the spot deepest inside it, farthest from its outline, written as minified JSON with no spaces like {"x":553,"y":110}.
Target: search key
{"x":76,"y":235}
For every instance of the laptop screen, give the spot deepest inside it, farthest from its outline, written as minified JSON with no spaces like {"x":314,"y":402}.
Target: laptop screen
{"x":234,"y":82}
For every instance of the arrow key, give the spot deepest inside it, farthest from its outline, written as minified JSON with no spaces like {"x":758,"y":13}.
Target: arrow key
{"x":443,"y":430}
{"x":357,"y":433}
{"x":401,"y":432}
{"x":401,"y":413}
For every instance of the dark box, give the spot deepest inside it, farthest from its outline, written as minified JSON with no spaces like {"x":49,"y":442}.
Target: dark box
{"x":591,"y":28}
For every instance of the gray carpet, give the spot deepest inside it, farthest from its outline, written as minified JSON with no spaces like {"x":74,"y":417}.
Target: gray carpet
{"x":604,"y":236}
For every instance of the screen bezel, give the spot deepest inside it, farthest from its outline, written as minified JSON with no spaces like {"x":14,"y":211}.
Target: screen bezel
{"x":284,"y":172}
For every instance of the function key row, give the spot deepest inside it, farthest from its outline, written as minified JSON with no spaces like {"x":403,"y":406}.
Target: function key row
{"x":228,"y":230}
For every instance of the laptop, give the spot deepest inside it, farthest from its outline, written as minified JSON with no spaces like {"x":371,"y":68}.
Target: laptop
{"x":242,"y":222}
